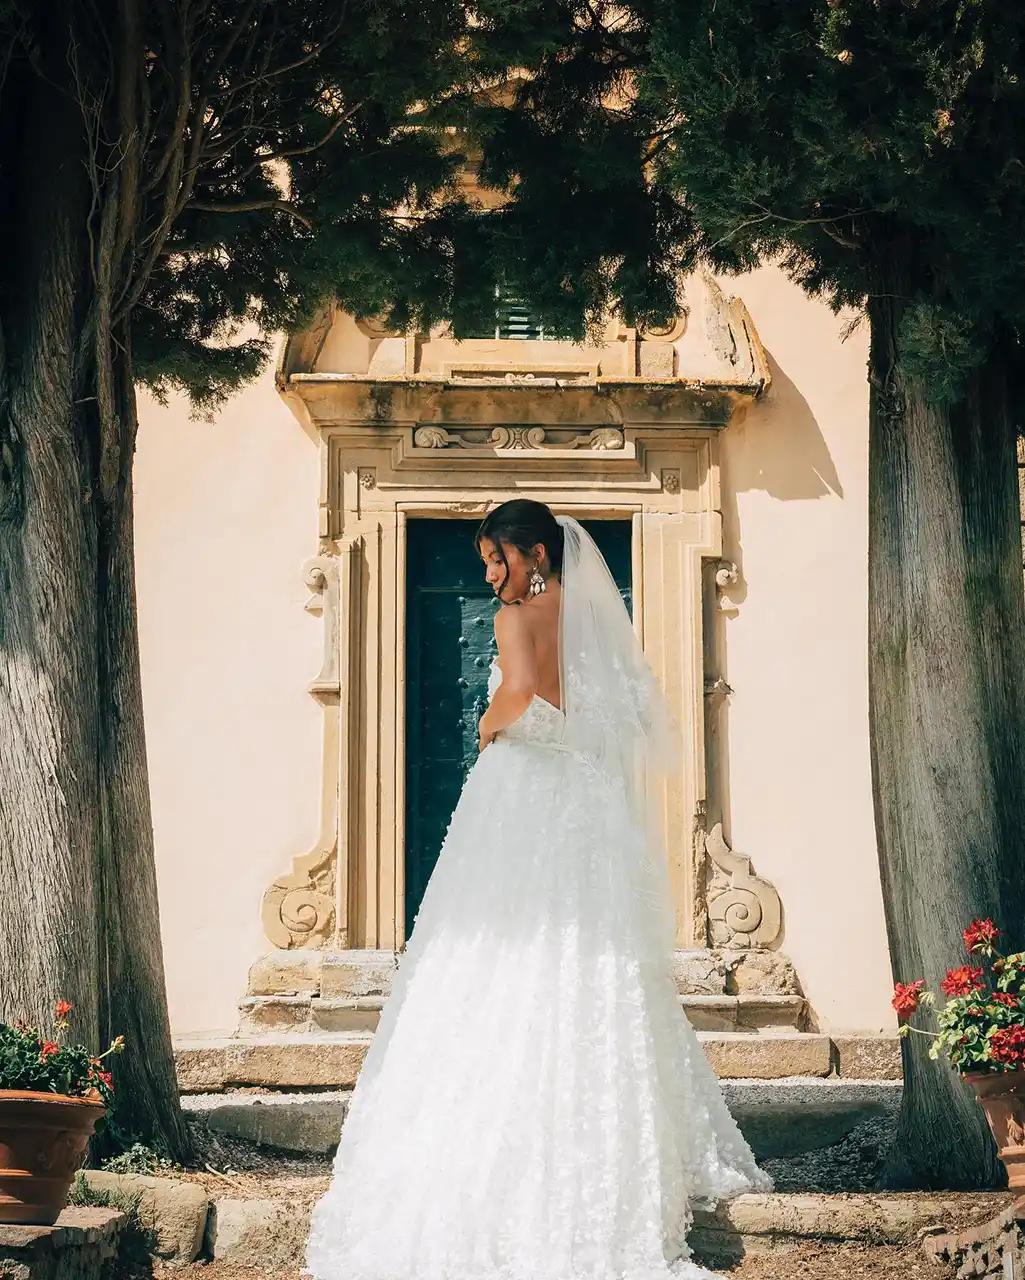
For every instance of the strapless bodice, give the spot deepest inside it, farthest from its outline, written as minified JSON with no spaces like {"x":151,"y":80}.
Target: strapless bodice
{"x":541,"y":723}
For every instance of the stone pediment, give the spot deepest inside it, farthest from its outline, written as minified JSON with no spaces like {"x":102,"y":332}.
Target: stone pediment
{"x":708,"y":358}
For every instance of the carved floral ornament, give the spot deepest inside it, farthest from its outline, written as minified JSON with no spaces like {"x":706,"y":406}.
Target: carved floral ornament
{"x":601,"y":439}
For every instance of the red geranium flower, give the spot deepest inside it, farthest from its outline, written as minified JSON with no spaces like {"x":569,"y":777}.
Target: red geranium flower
{"x":1008,"y":1045}
{"x":962,"y":981}
{"x":1005,"y":997}
{"x":48,"y":1049}
{"x":981,"y":935}
{"x":905,"y":998}
{"x":63,"y":1009}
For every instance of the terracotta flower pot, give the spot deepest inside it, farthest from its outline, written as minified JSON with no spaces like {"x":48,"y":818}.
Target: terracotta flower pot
{"x":1002,"y":1097}
{"x":43,"y":1137}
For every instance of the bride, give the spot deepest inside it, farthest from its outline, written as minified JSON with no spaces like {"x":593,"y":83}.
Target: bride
{"x":535,"y":1105}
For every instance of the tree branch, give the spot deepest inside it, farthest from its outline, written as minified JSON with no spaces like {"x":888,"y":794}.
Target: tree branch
{"x":845,"y":242}
{"x":248,"y":206}
{"x":278,"y":72}
{"x":232,"y":179}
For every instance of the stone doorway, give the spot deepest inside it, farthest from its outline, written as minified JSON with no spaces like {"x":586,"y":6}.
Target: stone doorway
{"x":424,"y":428}
{"x":449,"y":649}
{"x":423,"y":434}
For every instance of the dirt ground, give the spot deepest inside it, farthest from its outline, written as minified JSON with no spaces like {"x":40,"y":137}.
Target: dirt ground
{"x":237,"y":1169}
{"x":842,"y":1262}
{"x":812,"y":1262}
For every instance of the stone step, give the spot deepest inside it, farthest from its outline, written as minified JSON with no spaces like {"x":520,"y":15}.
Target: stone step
{"x":359,"y":974}
{"x":259,"y":1014}
{"x":272,"y":1061}
{"x":779,"y":1118}
{"x":332,"y":1060}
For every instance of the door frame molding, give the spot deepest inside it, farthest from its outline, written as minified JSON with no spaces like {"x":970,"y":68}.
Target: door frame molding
{"x":648,"y":453}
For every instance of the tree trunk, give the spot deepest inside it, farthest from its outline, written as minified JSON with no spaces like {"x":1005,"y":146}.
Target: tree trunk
{"x":49,"y":713}
{"x":133,"y":1000}
{"x":78,"y":904}
{"x":947,"y":705}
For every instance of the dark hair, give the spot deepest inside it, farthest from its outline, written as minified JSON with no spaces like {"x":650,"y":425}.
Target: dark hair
{"x":523,"y":523}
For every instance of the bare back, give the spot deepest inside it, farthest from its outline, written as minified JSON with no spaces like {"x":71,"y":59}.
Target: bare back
{"x":533,"y":641}
{"x":542,"y":616}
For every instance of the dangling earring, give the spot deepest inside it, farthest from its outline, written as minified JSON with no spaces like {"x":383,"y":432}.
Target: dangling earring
{"x":537,"y":585}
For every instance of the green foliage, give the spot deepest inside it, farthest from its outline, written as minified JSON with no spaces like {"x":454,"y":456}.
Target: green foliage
{"x":293,"y":152}
{"x":138,"y":1157}
{"x":939,"y":349}
{"x":982,"y":1025}
{"x":872,"y":150}
{"x":31,"y":1061}
{"x":248,"y":160}
{"x":136,"y":1243}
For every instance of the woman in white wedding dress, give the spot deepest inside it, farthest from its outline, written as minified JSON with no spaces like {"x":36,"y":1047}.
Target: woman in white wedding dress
{"x":535,"y":1105}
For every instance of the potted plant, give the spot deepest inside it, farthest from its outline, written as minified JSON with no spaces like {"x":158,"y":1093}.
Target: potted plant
{"x":52,"y":1097}
{"x":982,"y":1032}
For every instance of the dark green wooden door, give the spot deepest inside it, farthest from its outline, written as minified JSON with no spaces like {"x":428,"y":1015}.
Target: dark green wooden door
{"x":450,"y":644}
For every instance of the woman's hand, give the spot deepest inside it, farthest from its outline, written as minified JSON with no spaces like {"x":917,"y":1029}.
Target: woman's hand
{"x":487,"y":734}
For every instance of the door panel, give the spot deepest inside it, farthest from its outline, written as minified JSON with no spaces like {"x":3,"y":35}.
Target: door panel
{"x":450,"y":645}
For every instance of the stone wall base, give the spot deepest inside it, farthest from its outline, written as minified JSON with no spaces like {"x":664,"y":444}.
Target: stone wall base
{"x":79,"y":1246}
{"x":996,"y":1248}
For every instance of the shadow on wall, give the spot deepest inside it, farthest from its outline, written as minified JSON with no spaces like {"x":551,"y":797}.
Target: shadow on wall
{"x":778,"y":449}
{"x":785,"y":453}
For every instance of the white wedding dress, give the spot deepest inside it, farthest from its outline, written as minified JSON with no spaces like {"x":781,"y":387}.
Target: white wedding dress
{"x":534,"y":1105}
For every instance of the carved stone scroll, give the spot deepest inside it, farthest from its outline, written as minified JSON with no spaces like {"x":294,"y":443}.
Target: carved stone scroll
{"x":518,"y":437}
{"x":432,"y":437}
{"x":743,"y":909}
{"x":601,"y":439}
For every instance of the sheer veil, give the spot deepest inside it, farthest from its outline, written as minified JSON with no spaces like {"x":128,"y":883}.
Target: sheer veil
{"x":619,"y":722}
{"x":616,"y":713}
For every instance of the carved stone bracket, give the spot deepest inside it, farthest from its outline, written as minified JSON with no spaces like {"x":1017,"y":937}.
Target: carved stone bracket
{"x":743,"y":909}
{"x":299,"y":908}
{"x":321,"y":574}
{"x":726,"y":576}
{"x":716,"y":689}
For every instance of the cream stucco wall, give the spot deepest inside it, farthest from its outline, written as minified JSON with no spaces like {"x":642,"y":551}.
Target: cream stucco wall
{"x":795,"y":488}
{"x":227,"y":514}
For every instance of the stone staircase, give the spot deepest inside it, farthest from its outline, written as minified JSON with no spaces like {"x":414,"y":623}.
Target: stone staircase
{"x":309,"y":1017}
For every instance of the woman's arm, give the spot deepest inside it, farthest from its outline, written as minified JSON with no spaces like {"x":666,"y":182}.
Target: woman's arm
{"x":518,"y":661}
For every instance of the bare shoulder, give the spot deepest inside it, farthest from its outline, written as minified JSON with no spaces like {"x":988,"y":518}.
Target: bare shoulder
{"x":510,"y":622}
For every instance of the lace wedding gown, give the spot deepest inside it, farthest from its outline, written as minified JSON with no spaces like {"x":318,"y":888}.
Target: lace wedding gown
{"x":535,"y":1105}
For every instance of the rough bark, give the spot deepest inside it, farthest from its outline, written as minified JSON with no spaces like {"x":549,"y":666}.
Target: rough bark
{"x":49,"y":711}
{"x":133,"y":999}
{"x":947,"y":700}
{"x":78,"y":904}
